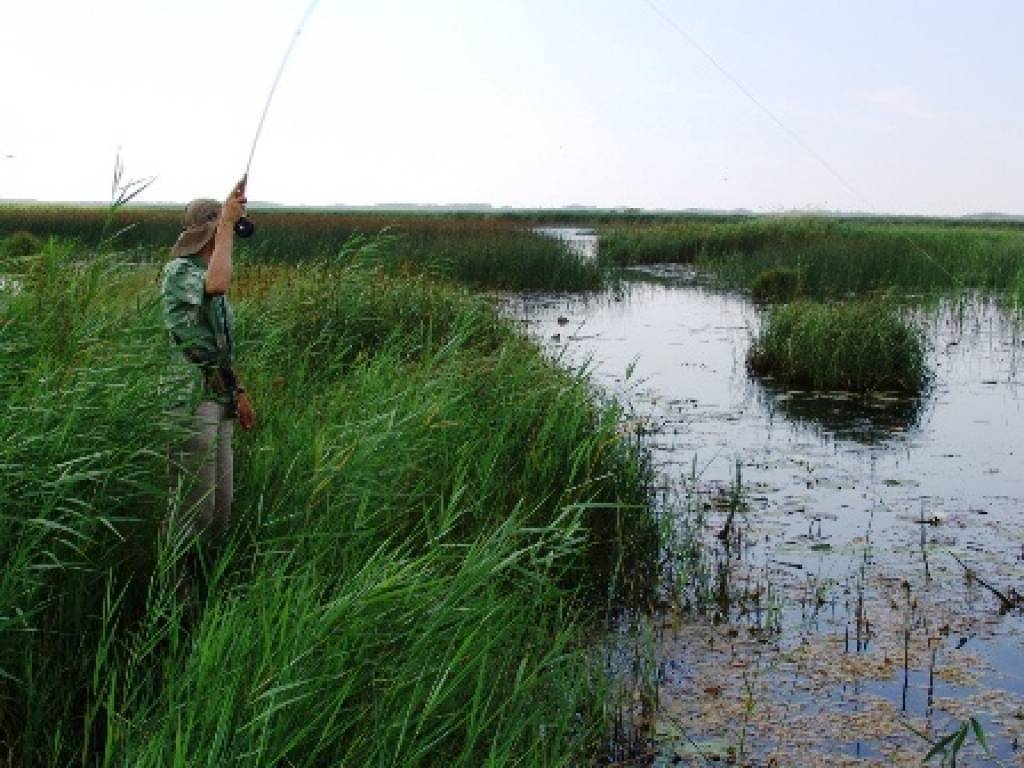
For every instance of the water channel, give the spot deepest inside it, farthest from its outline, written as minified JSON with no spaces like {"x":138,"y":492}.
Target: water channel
{"x":841,"y":601}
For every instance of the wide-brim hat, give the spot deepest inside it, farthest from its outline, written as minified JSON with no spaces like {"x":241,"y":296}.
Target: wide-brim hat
{"x":199,"y":224}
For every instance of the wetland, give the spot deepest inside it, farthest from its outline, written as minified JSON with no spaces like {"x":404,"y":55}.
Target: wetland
{"x":518,"y":498}
{"x":829,"y":558}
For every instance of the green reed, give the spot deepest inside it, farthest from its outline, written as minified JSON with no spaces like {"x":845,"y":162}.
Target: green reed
{"x":860,"y":346}
{"x":484,"y":251}
{"x":776,"y":285}
{"x":427,"y":521}
{"x":834,"y":257}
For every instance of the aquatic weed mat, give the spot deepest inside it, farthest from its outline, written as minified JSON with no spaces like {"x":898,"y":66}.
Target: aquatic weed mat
{"x":832,"y":656}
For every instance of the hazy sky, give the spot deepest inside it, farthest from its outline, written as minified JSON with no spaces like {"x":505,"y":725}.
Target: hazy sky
{"x":918,"y":105}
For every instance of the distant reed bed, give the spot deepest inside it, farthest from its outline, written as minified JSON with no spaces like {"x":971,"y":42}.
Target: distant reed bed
{"x":427,"y":523}
{"x":834,"y":257}
{"x":491,"y":252}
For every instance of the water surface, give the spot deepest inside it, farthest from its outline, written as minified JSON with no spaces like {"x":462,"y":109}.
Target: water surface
{"x":829,"y":607}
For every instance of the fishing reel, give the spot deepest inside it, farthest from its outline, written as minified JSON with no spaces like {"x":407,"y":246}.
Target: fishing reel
{"x":244,"y":227}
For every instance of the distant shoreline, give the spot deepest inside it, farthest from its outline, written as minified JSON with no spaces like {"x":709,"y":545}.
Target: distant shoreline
{"x":571,"y":210}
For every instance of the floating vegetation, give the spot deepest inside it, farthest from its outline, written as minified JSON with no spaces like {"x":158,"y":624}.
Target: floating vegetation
{"x":859,"y":346}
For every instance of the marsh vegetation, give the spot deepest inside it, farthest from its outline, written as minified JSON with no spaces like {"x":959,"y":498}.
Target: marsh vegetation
{"x":859,"y":346}
{"x":428,"y":522}
{"x":834,"y":257}
{"x":813,"y":610}
{"x":492,"y":252}
{"x":439,"y":518}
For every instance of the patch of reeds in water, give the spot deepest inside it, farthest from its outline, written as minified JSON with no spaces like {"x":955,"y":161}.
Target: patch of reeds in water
{"x":834,"y":257}
{"x":857,"y":346}
{"x":691,"y":240}
{"x":425,"y":523}
{"x":776,"y":286}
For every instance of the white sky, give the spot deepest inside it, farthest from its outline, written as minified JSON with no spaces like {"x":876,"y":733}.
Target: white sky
{"x":917,"y":103}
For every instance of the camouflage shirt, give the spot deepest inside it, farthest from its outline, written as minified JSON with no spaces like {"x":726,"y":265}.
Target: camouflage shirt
{"x":201,"y":328}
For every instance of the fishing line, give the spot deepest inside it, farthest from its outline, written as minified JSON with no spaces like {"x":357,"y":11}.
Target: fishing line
{"x":759,"y":104}
{"x":797,"y":139}
{"x":244,"y":227}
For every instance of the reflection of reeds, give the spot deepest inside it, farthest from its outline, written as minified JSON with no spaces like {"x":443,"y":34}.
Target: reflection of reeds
{"x":861,"y":346}
{"x":866,"y":419}
{"x":420,"y":518}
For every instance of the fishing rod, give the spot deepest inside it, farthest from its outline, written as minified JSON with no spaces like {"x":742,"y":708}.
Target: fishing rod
{"x":244,"y":227}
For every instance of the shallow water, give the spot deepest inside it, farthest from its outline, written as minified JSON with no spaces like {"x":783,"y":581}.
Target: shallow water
{"x":826,"y":611}
{"x":581,"y":241}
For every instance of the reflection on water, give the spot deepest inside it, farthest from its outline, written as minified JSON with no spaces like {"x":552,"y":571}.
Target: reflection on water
{"x":844,"y":415}
{"x":833,"y":609}
{"x":580,"y":241}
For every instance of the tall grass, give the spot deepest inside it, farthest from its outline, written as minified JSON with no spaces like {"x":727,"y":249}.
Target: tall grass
{"x":776,"y":286}
{"x":835,"y":257}
{"x":426,"y":522}
{"x":20,"y":243}
{"x":488,"y":252}
{"x":859,"y":346}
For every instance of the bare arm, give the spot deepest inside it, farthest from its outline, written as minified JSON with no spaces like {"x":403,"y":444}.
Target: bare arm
{"x":218,"y":275}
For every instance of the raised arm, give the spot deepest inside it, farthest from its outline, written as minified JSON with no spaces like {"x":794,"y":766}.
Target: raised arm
{"x":218,"y":275}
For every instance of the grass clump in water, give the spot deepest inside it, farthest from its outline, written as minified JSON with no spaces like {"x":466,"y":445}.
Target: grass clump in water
{"x":776,"y":286}
{"x":859,"y":346}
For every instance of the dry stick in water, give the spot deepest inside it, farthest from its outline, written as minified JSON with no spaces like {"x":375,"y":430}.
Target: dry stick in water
{"x":1007,"y":603}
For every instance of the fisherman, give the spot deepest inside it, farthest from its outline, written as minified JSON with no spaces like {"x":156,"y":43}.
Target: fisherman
{"x":202,"y":388}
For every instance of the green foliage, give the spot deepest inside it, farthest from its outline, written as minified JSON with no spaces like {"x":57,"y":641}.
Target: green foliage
{"x":426,"y":521}
{"x":777,"y":286}
{"x":950,"y":745}
{"x":948,"y":748}
{"x":859,"y":346}
{"x":487,"y":252}
{"x":835,"y":257}
{"x":697,"y":239}
{"x":20,"y":244}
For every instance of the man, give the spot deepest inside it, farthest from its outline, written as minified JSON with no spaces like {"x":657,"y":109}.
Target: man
{"x":202,"y":387}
